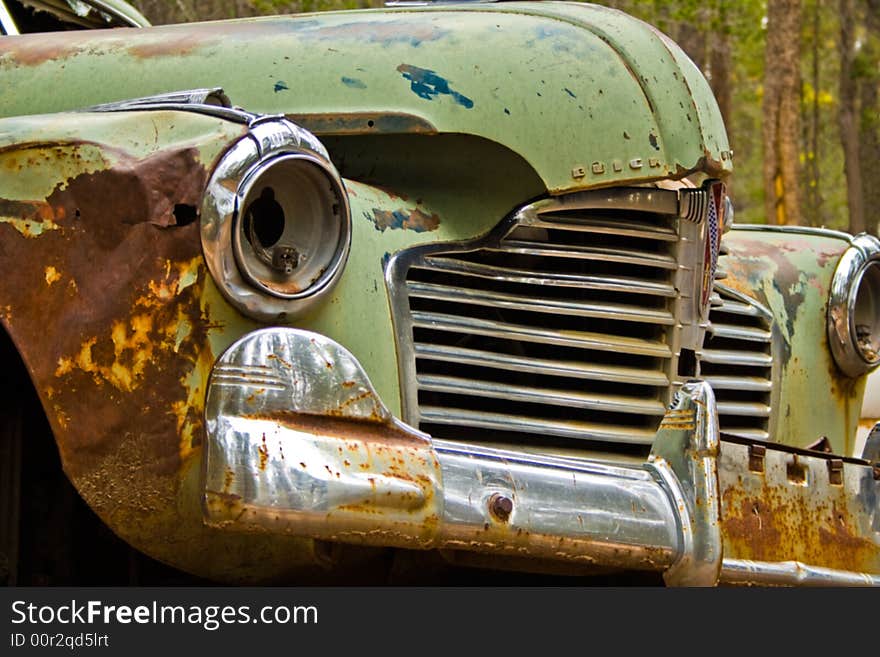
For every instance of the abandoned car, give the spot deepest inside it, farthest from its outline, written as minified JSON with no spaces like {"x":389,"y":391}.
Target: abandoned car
{"x":297,"y":290}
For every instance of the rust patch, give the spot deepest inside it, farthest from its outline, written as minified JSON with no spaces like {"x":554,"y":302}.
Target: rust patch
{"x":772,"y":526}
{"x":116,"y":378}
{"x":34,"y":50}
{"x":415,"y":220}
{"x":280,"y":360}
{"x":263,"y":449}
{"x":52,"y":275}
{"x":228,"y":479}
{"x":167,"y":44}
{"x":374,"y":432}
{"x":363,"y":123}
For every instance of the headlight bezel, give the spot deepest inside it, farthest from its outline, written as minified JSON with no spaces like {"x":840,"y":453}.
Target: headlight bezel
{"x":860,"y":259}
{"x":271,"y":142}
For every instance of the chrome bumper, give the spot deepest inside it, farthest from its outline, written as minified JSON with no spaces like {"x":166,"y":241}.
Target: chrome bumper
{"x":299,"y":442}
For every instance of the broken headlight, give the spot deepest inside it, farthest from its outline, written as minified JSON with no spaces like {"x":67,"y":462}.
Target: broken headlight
{"x":854,"y":307}
{"x":276,"y":225}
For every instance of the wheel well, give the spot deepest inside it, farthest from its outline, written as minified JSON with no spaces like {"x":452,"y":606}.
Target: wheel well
{"x":48,"y":534}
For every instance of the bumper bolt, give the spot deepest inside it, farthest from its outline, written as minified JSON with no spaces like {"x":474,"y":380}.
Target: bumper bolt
{"x":500,"y":506}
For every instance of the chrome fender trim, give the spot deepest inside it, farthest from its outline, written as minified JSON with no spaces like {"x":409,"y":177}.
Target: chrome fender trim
{"x":299,"y":442}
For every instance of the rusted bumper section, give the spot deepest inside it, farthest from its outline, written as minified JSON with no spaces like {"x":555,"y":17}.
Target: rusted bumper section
{"x":299,"y":443}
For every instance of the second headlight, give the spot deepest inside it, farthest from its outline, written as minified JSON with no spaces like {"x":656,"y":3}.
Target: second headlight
{"x":854,"y":308}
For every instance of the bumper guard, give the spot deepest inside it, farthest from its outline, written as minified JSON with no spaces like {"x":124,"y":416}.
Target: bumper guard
{"x":299,"y":442}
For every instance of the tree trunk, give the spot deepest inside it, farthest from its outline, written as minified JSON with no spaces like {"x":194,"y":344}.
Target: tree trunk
{"x":814,"y":189}
{"x":781,"y":109}
{"x":721,"y":64}
{"x":869,"y":125}
{"x":847,"y":117}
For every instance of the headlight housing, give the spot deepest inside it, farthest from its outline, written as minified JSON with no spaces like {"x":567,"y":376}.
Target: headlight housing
{"x":275,"y":222}
{"x":854,"y":308}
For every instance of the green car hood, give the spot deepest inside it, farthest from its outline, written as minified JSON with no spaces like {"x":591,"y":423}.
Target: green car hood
{"x":588,"y":96}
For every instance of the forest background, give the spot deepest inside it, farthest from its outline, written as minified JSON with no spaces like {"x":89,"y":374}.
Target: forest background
{"x":798,"y":83}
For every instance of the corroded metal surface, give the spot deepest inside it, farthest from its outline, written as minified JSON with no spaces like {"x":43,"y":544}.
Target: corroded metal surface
{"x":783,"y":506}
{"x":107,"y":296}
{"x":108,"y":300}
{"x":299,"y":443}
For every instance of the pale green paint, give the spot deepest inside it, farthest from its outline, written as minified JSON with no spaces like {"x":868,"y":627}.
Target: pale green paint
{"x":33,"y":173}
{"x":564,"y":86}
{"x":28,"y":228}
{"x":812,"y":398}
{"x":53,"y":148}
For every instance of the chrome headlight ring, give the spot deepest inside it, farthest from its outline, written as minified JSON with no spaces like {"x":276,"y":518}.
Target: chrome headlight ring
{"x":854,"y":307}
{"x":275,"y":222}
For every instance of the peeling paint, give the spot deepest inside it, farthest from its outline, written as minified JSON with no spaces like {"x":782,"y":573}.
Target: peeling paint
{"x":37,"y":219}
{"x":415,"y":220}
{"x":427,"y":84}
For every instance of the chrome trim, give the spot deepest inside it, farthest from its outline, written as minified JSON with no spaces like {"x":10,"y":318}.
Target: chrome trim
{"x":574,"y":399}
{"x":688,"y":442}
{"x":298,"y":442}
{"x":685,"y":320}
{"x":550,"y":306}
{"x":584,"y":339}
{"x":318,"y":454}
{"x":543,"y":366}
{"x":270,"y":141}
{"x":864,"y":252}
{"x":790,"y":573}
{"x":211,"y":101}
{"x":729,"y":357}
{"x":795,"y":230}
{"x":6,"y":21}
{"x":741,"y":350}
{"x":561,"y":428}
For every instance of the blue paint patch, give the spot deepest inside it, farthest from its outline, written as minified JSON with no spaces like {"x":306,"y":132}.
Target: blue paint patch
{"x":280,"y":86}
{"x":354,"y":83}
{"x":569,"y":92}
{"x":414,"y":220}
{"x":427,"y":84}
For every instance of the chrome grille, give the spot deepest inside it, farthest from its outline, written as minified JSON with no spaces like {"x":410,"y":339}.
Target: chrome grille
{"x":737,"y":361}
{"x":559,"y":325}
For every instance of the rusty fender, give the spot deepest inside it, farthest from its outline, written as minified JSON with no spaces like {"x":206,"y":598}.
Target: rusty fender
{"x":107,"y":298}
{"x":299,"y":443}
